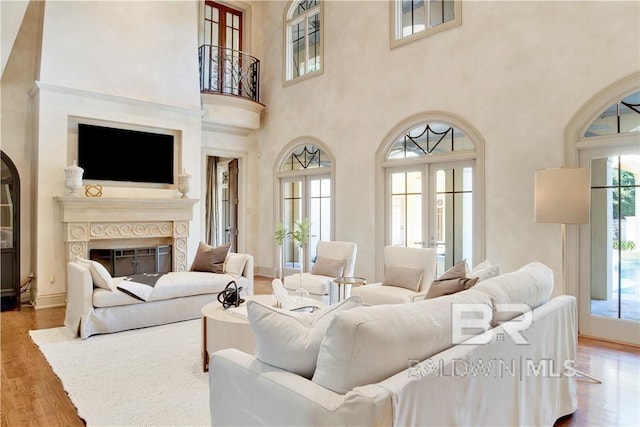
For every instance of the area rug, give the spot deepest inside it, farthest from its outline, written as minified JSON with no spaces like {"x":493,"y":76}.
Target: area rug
{"x":144,"y":377}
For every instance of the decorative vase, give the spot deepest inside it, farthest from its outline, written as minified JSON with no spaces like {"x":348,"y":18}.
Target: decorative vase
{"x":73,"y":178}
{"x":184,"y":181}
{"x":301,"y":292}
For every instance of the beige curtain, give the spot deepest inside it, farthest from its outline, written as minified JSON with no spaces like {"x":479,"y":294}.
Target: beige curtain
{"x":211,"y":202}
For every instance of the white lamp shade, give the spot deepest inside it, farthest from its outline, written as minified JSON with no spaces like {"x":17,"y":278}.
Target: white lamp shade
{"x":562,"y":196}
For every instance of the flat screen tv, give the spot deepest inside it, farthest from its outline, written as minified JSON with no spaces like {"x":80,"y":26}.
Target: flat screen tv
{"x":111,"y":154}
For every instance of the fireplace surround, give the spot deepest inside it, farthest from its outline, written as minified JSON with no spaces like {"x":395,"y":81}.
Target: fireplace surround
{"x":125,"y":222}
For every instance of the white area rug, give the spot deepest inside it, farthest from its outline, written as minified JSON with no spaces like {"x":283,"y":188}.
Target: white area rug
{"x":144,"y":377}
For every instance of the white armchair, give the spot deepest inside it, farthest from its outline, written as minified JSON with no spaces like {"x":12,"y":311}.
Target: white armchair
{"x":334,"y":259}
{"x":402,"y":257}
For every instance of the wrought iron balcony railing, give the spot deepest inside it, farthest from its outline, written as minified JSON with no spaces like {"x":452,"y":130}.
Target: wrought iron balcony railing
{"x":228,"y":71}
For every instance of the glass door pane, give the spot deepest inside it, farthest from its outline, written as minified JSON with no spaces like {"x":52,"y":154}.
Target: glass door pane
{"x":406,"y":209}
{"x":615,"y":237}
{"x":452,"y":231}
{"x":319,"y":212}
{"x":291,"y":212}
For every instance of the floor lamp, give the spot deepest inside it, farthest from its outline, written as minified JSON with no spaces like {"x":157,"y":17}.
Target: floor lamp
{"x":562,"y":196}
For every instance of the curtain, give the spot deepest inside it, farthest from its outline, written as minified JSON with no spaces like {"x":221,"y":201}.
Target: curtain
{"x":211,"y":202}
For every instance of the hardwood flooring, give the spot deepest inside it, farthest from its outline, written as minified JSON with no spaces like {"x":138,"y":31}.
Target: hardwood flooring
{"x":32,"y":395}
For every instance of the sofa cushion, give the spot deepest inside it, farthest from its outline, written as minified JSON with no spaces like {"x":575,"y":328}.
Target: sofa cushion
{"x":328,"y":267}
{"x":174,"y":285}
{"x":375,"y":294}
{"x":368,"y":344}
{"x":403,"y":277}
{"x":210,"y":258}
{"x":234,"y":264}
{"x":290,"y":340}
{"x":100,"y":276}
{"x":451,"y":281}
{"x":531,"y":285}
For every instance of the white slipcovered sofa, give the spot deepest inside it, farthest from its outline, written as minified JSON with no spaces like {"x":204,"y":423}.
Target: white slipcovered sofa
{"x":180,"y":296}
{"x":399,"y":364}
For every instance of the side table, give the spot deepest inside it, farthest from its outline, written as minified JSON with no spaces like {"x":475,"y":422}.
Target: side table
{"x":345,"y":284}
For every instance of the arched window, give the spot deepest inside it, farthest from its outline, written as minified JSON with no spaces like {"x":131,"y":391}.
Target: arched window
{"x":432,"y":188}
{"x":306,"y":189}
{"x":604,"y":137}
{"x":303,"y":52}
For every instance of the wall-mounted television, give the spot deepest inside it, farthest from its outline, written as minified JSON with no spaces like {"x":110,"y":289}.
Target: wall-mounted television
{"x":124,"y":155}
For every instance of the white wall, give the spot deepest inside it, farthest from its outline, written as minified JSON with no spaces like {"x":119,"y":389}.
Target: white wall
{"x":516,"y":71}
{"x":122,"y":62}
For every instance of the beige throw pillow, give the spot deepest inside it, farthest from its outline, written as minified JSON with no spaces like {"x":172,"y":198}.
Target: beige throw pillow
{"x":403,"y":277}
{"x":452,"y":281}
{"x":234,"y":264}
{"x":328,"y":267}
{"x":209,"y":258}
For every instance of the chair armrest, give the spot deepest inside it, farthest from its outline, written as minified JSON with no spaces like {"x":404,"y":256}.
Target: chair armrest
{"x":419,"y":296}
{"x":79,"y":295}
{"x":248,"y":273}
{"x":245,"y":391}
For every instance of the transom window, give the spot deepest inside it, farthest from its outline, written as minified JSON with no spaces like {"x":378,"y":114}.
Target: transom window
{"x":303,"y":39}
{"x":621,"y":117}
{"x":418,"y":18}
{"x":430,"y":138}
{"x":305,"y":157}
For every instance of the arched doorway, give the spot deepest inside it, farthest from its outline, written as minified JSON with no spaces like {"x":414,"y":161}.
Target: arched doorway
{"x":9,"y":233}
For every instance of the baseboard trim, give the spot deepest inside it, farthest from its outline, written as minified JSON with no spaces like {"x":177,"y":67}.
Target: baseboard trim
{"x":49,"y":301}
{"x":263,"y":271}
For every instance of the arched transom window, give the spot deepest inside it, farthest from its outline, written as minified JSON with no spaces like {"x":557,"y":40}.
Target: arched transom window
{"x":621,"y":117}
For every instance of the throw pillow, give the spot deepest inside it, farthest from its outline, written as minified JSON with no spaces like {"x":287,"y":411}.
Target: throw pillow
{"x":452,"y":281}
{"x":100,"y":276}
{"x":234,"y":264}
{"x":403,"y":277}
{"x":209,"y":258}
{"x":291,"y":340}
{"x":328,"y":267}
{"x":486,"y":273}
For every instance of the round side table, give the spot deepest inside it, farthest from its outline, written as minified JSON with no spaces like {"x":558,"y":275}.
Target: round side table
{"x":345,"y":284}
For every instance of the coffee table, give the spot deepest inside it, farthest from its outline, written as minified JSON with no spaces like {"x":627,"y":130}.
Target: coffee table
{"x":223,"y":330}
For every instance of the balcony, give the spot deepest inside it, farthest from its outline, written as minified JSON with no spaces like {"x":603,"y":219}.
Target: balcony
{"x":229,"y":72}
{"x":237,"y":76}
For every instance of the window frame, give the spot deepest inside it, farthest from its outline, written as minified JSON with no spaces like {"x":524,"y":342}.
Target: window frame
{"x":289,"y":20}
{"x":304,"y":175}
{"x":466,"y":157}
{"x":395,"y":24}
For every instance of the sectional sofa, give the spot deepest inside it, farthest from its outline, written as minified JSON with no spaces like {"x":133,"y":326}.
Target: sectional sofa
{"x":413,"y":364}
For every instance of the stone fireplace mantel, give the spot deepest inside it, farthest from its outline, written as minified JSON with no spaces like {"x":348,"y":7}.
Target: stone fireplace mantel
{"x":87,"y":220}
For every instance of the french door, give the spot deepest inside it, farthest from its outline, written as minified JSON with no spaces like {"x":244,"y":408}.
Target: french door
{"x":431,"y":205}
{"x":307,"y":196}
{"x":223,"y":36}
{"x":609,"y":289}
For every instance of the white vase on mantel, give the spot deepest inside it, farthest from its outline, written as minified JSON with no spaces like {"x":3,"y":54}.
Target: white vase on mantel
{"x":184,"y":183}
{"x":73,"y":179}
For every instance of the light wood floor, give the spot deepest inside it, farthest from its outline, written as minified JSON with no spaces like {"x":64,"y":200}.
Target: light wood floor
{"x":32,"y":395}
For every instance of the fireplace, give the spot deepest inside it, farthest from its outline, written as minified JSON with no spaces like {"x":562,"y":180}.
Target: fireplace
{"x":116,"y":223}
